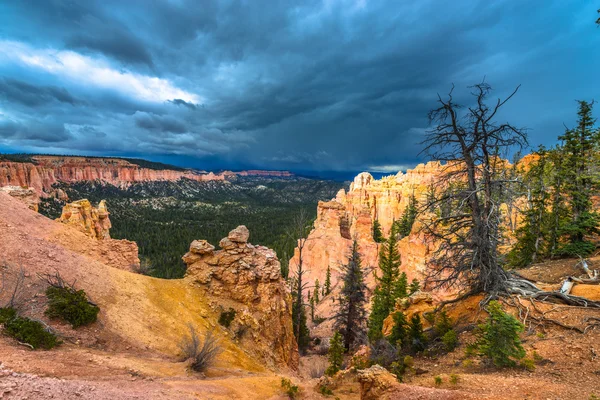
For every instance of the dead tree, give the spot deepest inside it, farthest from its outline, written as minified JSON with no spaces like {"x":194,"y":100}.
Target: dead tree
{"x":467,"y":236}
{"x":472,"y":145}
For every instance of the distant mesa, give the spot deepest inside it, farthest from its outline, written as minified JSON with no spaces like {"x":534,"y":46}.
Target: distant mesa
{"x":40,"y":172}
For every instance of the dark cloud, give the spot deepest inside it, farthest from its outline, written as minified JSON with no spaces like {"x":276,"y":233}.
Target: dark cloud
{"x":184,"y":103}
{"x":18,"y":91}
{"x":159,"y":123}
{"x":336,"y":84}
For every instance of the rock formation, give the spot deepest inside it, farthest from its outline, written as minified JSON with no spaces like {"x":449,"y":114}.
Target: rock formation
{"x":93,"y":221}
{"x":351,"y":214}
{"x":247,"y":279}
{"x":26,"y":195}
{"x":44,"y":171}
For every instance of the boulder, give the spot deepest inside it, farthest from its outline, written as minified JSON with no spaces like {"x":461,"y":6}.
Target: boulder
{"x":239,"y":234}
{"x":201,"y":247}
{"x":374,"y":382}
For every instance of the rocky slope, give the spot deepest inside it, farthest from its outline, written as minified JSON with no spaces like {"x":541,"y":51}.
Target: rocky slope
{"x":137,"y":311}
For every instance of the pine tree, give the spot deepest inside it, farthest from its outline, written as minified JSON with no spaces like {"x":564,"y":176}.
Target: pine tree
{"x":377,"y":234}
{"x":418,"y":341}
{"x":299,"y":320}
{"x":327,"y":285}
{"x":533,"y":236}
{"x":401,"y":287}
{"x":498,"y":338}
{"x":350,"y":318}
{"x":335,"y":354}
{"x":316,"y":292}
{"x":579,"y":162}
{"x":384,"y":297}
{"x":399,"y":334}
{"x":414,"y":286}
{"x":408,"y":217}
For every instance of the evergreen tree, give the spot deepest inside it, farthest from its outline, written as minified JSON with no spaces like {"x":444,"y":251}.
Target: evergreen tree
{"x":350,"y":317}
{"x":418,"y":341}
{"x":399,"y":334}
{"x":533,"y":235}
{"x":335,"y":354}
{"x":414,"y":286}
{"x":408,"y":217}
{"x":498,"y":338}
{"x":384,"y":295}
{"x":377,"y":234}
{"x":401,"y":287}
{"x":580,"y":160}
{"x":316,"y":292}
{"x":299,"y":320}
{"x":327,"y":286}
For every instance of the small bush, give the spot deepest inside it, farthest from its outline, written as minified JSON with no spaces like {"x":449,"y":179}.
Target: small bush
{"x":536,"y":357}
{"x":30,"y":332}
{"x":201,"y":353}
{"x":289,"y":388}
{"x":498,"y":338}
{"x":454,"y":379}
{"x":528,"y":364}
{"x":437,"y":380}
{"x":227,"y":317}
{"x":325,"y":391}
{"x":71,"y":305}
{"x":6,"y":314}
{"x":467,"y":363}
{"x":450,"y":340}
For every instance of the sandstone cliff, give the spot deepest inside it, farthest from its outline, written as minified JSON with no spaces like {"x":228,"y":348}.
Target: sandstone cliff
{"x":247,"y":279}
{"x":44,"y":171}
{"x":351,"y":214}
{"x":47,"y":170}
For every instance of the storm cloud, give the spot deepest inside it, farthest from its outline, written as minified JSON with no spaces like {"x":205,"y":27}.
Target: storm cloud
{"x":315,"y":85}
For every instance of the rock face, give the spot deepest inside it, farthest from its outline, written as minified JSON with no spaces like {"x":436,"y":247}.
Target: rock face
{"x":48,"y":170}
{"x":26,"y":195}
{"x":92,"y":221}
{"x":247,"y":279}
{"x":351,"y":215}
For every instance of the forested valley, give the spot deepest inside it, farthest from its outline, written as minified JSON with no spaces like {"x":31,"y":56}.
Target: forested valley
{"x":164,"y":217}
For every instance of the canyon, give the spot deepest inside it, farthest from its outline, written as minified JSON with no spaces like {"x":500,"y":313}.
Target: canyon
{"x":40,"y":172}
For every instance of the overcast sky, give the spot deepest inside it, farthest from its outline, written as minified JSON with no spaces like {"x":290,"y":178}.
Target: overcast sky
{"x":300,"y":85}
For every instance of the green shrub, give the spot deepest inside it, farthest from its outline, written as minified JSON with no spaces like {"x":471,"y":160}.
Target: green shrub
{"x":450,"y":340}
{"x":528,"y":364}
{"x":325,"y":391}
{"x":454,"y":379}
{"x":6,"y":314}
{"x":498,"y":338}
{"x":289,"y":388}
{"x":30,"y":332}
{"x":70,"y":305}
{"x":437,"y":380}
{"x":226,"y":317}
